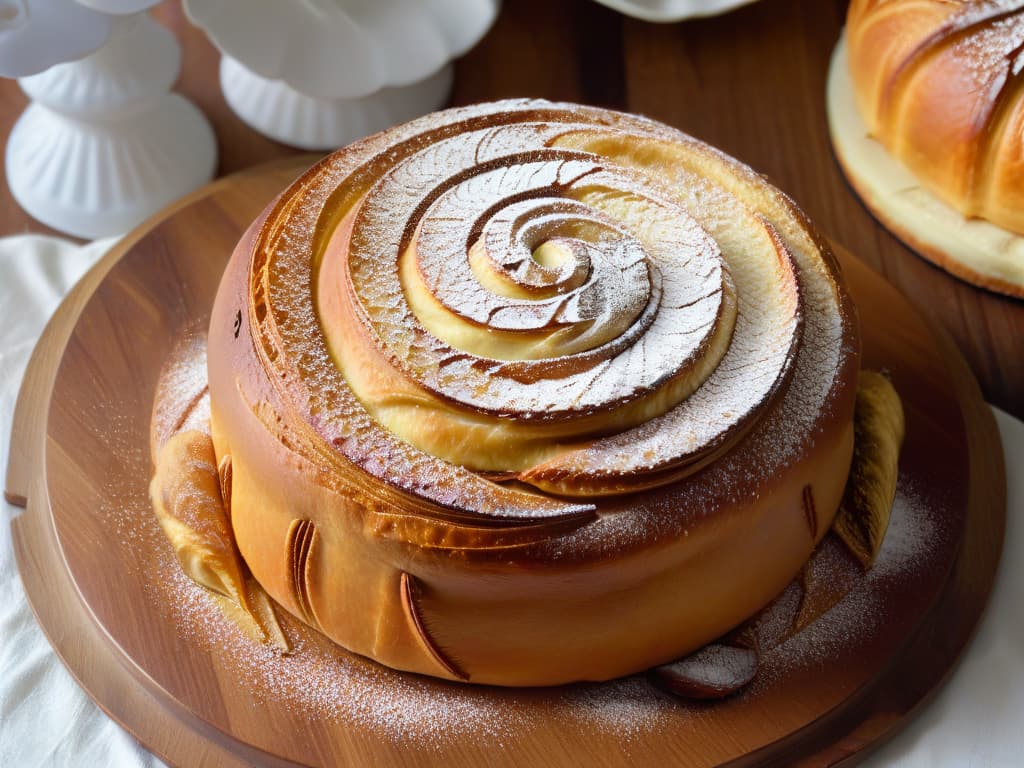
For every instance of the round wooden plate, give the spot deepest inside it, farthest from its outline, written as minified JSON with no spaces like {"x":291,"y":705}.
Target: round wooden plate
{"x":156,"y":654}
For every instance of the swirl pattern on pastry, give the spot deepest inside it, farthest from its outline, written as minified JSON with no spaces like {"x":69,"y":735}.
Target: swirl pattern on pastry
{"x":443,"y":321}
{"x":530,"y":357}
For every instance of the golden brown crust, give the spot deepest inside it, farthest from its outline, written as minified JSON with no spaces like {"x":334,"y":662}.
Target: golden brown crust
{"x":512,"y":586}
{"x":939,"y":85}
{"x":410,"y":597}
{"x":191,"y":497}
{"x":939,"y":256}
{"x":186,"y":498}
{"x":974,"y":250}
{"x":878,"y":434}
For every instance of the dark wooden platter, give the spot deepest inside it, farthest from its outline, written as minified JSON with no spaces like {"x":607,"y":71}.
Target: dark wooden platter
{"x":160,"y":661}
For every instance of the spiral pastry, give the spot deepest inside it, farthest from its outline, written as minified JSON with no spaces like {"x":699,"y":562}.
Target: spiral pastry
{"x":528,"y":393}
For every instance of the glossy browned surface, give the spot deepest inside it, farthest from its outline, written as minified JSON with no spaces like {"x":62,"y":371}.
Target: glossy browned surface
{"x":935,"y":84}
{"x":89,"y":532}
{"x":751,"y":82}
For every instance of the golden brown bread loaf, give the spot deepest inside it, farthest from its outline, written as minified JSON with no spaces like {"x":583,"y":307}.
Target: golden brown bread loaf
{"x":528,"y":393}
{"x":939,"y":84}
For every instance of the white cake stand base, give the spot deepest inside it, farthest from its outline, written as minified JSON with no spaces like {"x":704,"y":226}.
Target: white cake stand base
{"x":105,"y":144}
{"x":277,"y":110}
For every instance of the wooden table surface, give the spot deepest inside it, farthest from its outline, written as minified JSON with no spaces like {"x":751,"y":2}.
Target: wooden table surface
{"x":751,"y":82}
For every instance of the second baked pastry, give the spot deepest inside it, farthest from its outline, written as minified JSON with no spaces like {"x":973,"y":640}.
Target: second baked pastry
{"x":926,"y":111}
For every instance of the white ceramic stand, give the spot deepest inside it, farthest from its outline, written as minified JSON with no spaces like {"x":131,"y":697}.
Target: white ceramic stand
{"x":277,"y":110}
{"x":319,"y":74}
{"x":105,"y":143}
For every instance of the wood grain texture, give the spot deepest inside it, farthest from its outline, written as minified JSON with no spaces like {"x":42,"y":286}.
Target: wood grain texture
{"x":94,"y":563}
{"x":70,"y":628}
{"x":751,"y":82}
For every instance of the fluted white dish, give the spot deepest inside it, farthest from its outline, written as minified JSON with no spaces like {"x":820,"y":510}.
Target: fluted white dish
{"x":343,"y":49}
{"x":286,"y":115}
{"x":319,"y":74}
{"x":99,"y":183}
{"x":100,"y":84}
{"x":665,"y":11}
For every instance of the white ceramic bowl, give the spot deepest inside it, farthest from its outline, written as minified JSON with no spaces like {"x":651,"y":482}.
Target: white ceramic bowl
{"x":665,"y":11}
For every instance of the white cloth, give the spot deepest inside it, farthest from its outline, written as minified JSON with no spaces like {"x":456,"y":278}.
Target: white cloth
{"x":46,"y":719}
{"x":977,"y":719}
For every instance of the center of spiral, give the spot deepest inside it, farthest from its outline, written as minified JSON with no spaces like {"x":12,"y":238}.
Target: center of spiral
{"x":552,"y":253}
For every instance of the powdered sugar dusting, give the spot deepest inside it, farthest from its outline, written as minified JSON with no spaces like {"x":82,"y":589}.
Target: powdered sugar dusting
{"x":915,"y":543}
{"x":990,"y":52}
{"x":386,"y":183}
{"x":182,"y":399}
{"x":323,"y":682}
{"x":629,"y":707}
{"x":528,"y":389}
